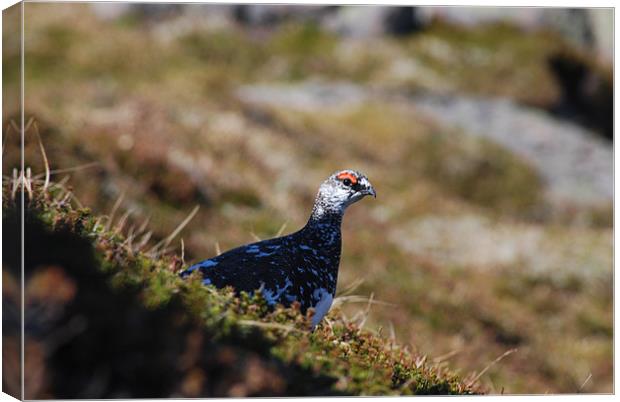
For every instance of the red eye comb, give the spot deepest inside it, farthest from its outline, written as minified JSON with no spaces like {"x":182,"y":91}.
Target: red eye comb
{"x":347,"y":175}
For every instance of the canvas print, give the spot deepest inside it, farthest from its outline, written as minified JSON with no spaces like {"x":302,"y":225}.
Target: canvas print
{"x":241,"y":200}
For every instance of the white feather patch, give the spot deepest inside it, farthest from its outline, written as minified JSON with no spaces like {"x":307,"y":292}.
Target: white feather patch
{"x":322,"y":307}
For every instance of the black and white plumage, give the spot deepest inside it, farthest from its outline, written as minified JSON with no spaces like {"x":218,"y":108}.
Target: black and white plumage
{"x":302,"y":266}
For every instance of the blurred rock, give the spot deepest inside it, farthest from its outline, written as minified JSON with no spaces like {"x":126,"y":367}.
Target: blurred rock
{"x":355,"y":21}
{"x":110,"y":11}
{"x":603,"y":31}
{"x":575,"y":163}
{"x":307,"y":96}
{"x":369,"y":21}
{"x":480,"y":243}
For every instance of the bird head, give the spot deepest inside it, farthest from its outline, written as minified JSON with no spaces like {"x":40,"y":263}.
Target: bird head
{"x":342,"y":189}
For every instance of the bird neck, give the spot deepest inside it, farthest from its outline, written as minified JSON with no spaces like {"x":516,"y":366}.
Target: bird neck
{"x":325,"y":213}
{"x":323,"y":229}
{"x":325,"y":218}
{"x":323,"y":233}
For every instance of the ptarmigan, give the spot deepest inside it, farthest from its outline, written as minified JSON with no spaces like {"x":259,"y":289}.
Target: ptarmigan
{"x":302,"y":266}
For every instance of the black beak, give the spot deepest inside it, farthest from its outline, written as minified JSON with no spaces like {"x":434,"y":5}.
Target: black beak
{"x":371,"y":191}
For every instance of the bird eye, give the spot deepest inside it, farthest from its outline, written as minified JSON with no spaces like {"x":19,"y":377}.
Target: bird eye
{"x":347,"y":178}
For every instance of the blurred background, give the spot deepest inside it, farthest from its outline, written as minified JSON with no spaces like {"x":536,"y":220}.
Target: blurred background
{"x":487,"y":132}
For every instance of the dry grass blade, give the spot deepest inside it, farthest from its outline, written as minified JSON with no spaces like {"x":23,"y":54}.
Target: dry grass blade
{"x":585,"y":382}
{"x":143,"y":226}
{"x":129,"y":238}
{"x":352,"y":287}
{"x":127,"y":245}
{"x":446,"y":356}
{"x":254,"y":236}
{"x":329,"y":324}
{"x":62,"y":182}
{"x":419,"y":361}
{"x":281,"y":230}
{"x":28,"y":124}
{"x":96,"y":225}
{"x":131,"y":232}
{"x":113,"y":212}
{"x":340,"y":300}
{"x":44,"y":155}
{"x":121,"y":222}
{"x":165,"y":242}
{"x":71,"y":169}
{"x":6,"y":136}
{"x":494,"y":362}
{"x":59,"y":195}
{"x":66,"y":198}
{"x":218,"y":251}
{"x":15,"y":183}
{"x":269,"y":325}
{"x":76,"y":200}
{"x":16,"y":127}
{"x":367,"y":311}
{"x":28,"y":182}
{"x":143,"y":241}
{"x":182,"y":252}
{"x":392,"y":332}
{"x":166,"y":250}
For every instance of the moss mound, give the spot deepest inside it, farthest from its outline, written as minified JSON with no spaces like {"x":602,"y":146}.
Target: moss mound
{"x":104,"y":319}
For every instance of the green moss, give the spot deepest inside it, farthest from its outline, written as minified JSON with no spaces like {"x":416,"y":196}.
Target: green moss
{"x":363,"y":363}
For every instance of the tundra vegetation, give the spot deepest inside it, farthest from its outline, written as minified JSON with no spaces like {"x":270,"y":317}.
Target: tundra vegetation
{"x":463,"y":276}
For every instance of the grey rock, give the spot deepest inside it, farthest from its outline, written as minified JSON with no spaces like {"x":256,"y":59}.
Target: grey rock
{"x":372,"y":21}
{"x":603,"y":31}
{"x":575,"y":163}
{"x":472,"y":16}
{"x":110,"y":11}
{"x":307,"y":96}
